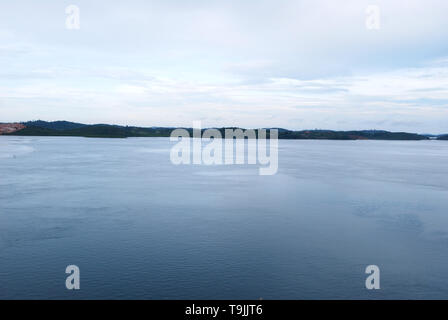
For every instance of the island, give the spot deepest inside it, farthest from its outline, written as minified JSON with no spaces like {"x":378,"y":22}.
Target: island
{"x":66,"y":128}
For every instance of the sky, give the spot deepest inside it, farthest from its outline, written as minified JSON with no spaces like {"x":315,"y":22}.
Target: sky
{"x":296,"y":64}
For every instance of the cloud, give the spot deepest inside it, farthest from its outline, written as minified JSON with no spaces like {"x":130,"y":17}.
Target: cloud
{"x":294,"y":64}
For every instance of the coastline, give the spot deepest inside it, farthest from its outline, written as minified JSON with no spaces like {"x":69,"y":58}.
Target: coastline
{"x":65,"y":128}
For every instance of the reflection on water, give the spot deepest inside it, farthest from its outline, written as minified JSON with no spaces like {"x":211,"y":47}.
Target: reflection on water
{"x":140,"y":227}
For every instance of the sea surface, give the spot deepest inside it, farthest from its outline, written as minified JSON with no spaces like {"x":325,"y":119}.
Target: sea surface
{"x":140,"y":227}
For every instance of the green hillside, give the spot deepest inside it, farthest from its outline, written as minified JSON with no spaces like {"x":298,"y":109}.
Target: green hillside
{"x":65,"y":128}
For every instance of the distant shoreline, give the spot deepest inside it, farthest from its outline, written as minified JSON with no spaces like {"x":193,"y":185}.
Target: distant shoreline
{"x":66,"y":128}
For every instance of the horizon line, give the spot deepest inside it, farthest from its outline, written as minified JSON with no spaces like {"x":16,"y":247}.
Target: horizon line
{"x":218,"y":127}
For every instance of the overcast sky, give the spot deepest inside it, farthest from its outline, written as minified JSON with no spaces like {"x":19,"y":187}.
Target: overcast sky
{"x":284,"y":63}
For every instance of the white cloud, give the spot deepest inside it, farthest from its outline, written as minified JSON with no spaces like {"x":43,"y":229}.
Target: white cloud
{"x":288,"y":63}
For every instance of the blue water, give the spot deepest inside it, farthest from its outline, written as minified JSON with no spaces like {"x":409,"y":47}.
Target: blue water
{"x":140,"y":227}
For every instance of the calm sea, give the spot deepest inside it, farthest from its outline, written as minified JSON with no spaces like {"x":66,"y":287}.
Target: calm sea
{"x":139,"y":227}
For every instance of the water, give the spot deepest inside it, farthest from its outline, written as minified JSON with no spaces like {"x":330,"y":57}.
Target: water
{"x":140,"y":227}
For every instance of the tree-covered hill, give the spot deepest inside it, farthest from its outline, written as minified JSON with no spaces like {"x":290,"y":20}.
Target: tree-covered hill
{"x":65,"y":128}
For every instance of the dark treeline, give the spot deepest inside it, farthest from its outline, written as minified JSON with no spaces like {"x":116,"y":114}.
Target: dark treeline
{"x":65,"y":128}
